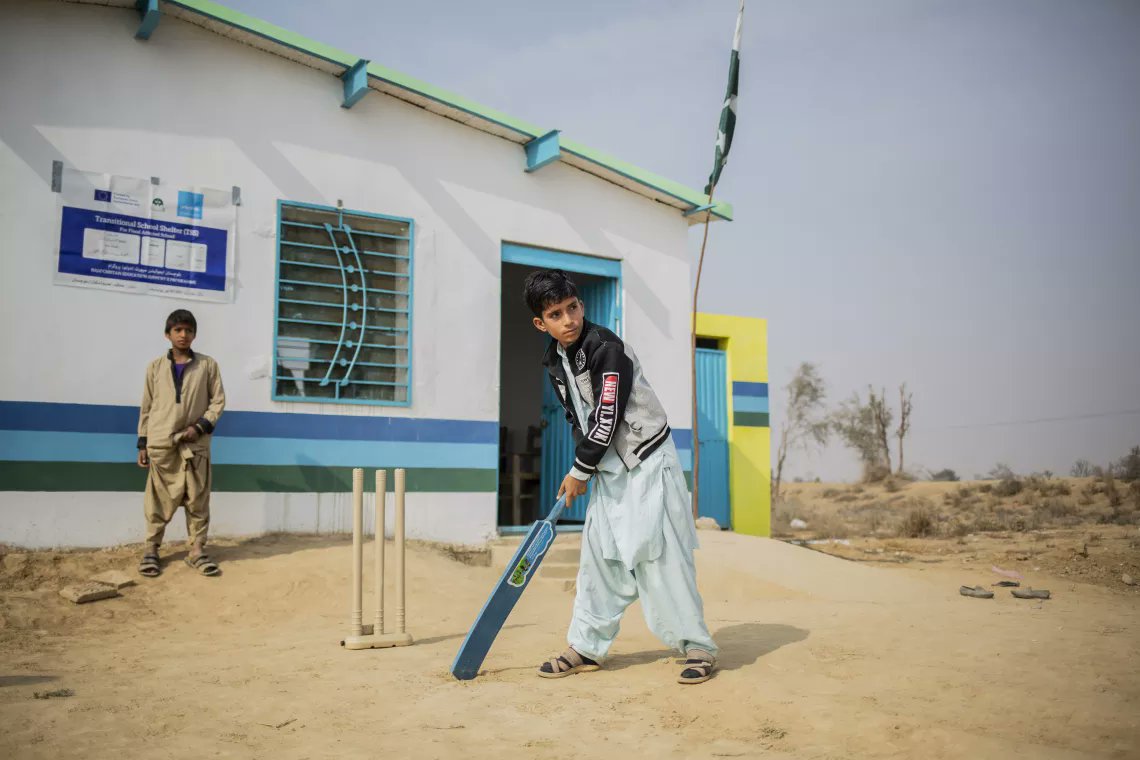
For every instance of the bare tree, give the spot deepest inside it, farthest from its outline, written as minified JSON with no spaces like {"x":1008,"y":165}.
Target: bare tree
{"x":882,"y":416}
{"x":1082,"y":468}
{"x":804,"y":424}
{"x":905,"y":407}
{"x":856,"y":422}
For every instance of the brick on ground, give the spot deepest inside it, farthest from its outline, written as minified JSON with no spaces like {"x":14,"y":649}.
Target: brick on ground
{"x":114,"y":579}
{"x":81,"y":593}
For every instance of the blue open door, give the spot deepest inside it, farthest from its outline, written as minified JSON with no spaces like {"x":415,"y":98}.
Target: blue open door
{"x":600,"y":294}
{"x":712,"y":416}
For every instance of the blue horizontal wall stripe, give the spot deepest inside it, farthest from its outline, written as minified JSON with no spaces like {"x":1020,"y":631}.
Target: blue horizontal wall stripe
{"x":111,"y":434}
{"x":37,"y":446}
{"x":99,"y":418}
{"x":78,"y":418}
{"x":421,"y":455}
{"x":40,"y":446}
{"x":749,"y":404}
{"x":749,"y":389}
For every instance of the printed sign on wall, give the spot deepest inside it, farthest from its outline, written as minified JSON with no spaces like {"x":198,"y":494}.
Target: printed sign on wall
{"x":133,"y":236}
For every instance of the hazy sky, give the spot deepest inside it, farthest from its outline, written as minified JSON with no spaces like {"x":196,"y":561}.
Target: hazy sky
{"x":942,"y":192}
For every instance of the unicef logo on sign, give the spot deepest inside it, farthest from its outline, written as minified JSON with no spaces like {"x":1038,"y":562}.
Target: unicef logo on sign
{"x":190,"y":204}
{"x":158,"y":205}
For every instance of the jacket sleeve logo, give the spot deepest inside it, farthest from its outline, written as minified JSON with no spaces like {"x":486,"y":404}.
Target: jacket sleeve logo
{"x":606,"y":413}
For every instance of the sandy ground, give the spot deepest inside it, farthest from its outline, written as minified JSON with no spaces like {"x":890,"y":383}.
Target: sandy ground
{"x":822,"y":657}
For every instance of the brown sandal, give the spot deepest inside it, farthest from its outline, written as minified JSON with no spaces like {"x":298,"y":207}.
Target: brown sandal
{"x":149,"y":567}
{"x":204,"y":565}
{"x":567,"y":664}
{"x":699,"y":667}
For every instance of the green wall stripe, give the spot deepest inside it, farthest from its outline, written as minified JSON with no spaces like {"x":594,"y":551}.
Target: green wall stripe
{"x":750,"y":419}
{"x":95,"y":476}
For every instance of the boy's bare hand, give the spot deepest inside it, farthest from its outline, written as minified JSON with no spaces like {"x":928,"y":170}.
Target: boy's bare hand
{"x":190,"y":434}
{"x":144,"y":460}
{"x":571,"y":488}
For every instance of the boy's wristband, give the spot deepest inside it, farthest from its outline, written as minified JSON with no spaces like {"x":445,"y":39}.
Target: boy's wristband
{"x":142,"y":442}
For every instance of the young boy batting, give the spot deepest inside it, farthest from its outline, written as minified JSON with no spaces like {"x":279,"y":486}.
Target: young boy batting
{"x":639,"y":535}
{"x":182,"y":401}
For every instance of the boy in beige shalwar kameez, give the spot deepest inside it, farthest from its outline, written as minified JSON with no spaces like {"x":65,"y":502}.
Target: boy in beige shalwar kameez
{"x":182,"y":401}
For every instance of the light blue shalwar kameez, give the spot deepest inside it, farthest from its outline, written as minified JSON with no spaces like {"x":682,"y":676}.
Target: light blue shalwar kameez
{"x":637,"y":543}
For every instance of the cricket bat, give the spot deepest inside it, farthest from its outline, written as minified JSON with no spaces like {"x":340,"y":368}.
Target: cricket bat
{"x":510,"y":587}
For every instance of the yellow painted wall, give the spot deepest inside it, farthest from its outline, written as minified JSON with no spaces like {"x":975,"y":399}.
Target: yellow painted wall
{"x":745,"y":341}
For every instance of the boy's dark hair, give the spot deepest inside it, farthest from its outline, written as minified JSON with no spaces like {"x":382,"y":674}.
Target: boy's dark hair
{"x":545,"y":287}
{"x":181,"y":317}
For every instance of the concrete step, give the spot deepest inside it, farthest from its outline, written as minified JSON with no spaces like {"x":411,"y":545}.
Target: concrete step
{"x":566,"y":549}
{"x":555,"y":570}
{"x":559,"y":568}
{"x":567,"y":554}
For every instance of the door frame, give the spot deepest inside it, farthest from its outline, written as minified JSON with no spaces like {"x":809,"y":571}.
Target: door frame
{"x":726,"y":396}
{"x":574,"y":263}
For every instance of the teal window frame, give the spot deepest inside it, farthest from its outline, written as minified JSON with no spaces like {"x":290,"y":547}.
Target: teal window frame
{"x":350,"y":344}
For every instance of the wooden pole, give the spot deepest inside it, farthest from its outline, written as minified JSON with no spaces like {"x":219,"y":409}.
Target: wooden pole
{"x":355,"y":621}
{"x":399,"y":530}
{"x":379,"y":506}
{"x":693,"y":357}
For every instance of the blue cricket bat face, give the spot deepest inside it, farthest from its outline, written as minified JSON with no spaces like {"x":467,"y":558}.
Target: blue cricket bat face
{"x":498,"y":607}
{"x":540,"y":538}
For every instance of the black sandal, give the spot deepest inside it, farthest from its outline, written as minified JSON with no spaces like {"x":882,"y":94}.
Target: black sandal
{"x":203,"y":565}
{"x":567,"y":664}
{"x":1031,"y":593}
{"x":149,"y":567}
{"x":977,"y":592}
{"x":698,"y":667}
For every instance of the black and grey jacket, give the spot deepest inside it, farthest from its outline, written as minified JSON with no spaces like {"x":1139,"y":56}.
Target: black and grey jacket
{"x":626,"y":412}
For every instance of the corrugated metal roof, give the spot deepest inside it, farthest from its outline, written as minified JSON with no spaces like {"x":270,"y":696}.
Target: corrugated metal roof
{"x":270,"y":38}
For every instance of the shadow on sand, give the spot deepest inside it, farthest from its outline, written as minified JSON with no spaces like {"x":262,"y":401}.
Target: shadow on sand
{"x":741,"y":644}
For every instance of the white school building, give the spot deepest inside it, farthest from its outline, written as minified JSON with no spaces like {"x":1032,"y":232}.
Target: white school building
{"x":352,"y":242}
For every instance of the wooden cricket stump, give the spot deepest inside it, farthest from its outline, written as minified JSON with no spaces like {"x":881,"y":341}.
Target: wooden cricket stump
{"x":362,"y":636}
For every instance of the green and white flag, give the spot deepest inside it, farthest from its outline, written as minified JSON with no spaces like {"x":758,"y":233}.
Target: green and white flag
{"x":728,"y":113}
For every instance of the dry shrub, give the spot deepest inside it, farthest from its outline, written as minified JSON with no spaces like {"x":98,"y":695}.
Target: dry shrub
{"x":1008,"y":487}
{"x":985,"y":487}
{"x":892,"y":485}
{"x":875,"y":515}
{"x":1055,"y":509}
{"x":875,"y":473}
{"x":783,"y":511}
{"x":830,"y":493}
{"x":1111,"y":491}
{"x":919,"y":522}
{"x":1058,"y":488}
{"x":829,"y":526}
{"x":1121,"y":513}
{"x":1047,"y":486}
{"x":848,"y":497}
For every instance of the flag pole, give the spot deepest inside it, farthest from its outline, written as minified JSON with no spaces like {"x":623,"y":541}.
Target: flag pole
{"x":693,"y":358}
{"x":725,"y":129}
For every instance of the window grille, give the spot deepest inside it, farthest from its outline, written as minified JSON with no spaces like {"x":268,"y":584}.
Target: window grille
{"x":344,"y":306}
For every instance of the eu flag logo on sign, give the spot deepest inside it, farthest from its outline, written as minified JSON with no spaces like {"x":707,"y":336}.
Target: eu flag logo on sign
{"x":103,"y":195}
{"x":189,"y":204}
